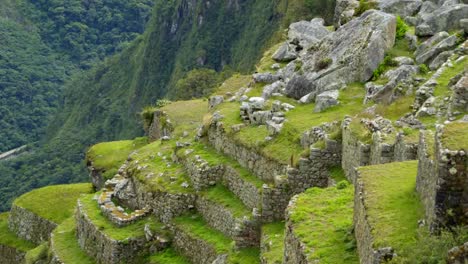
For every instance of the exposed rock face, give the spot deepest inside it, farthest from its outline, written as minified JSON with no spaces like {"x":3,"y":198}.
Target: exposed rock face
{"x":402,"y":8}
{"x":460,"y":94}
{"x":434,"y":46}
{"x":285,"y":53}
{"x":444,"y":18}
{"x":344,"y":11}
{"x":215,"y":100}
{"x":303,"y":34}
{"x":266,"y":77}
{"x":29,"y":226}
{"x":326,"y":100}
{"x":347,"y":55}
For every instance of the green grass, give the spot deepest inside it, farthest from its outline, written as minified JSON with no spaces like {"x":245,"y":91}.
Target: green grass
{"x":455,"y":136}
{"x":401,"y":49}
{"x":361,"y":132}
{"x":168,"y":256}
{"x":214,"y":158}
{"x":66,"y":244}
{"x":233,"y":84}
{"x":397,"y":109}
{"x":109,"y":156}
{"x":134,"y":230}
{"x":337,"y":174}
{"x":186,"y":115}
{"x":441,"y":88}
{"x":244,"y":256}
{"x":37,"y":254}
{"x":9,"y":238}
{"x":55,"y":203}
{"x":323,"y":220}
{"x":393,"y":206}
{"x":273,"y":236}
{"x":196,"y":226}
{"x":166,"y":179}
{"x":266,"y":62}
{"x":221,"y":195}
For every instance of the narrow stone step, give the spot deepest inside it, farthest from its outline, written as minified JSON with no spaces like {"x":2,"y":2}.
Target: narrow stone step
{"x":198,"y":242}
{"x":108,"y":243}
{"x":64,"y":245}
{"x":223,"y":211}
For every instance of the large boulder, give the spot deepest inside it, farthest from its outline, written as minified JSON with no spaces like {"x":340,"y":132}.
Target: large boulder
{"x":403,"y":8}
{"x":344,"y":11}
{"x":326,"y":100}
{"x":350,"y":54}
{"x":303,"y":34}
{"x":444,"y":18}
{"x":435,"y":45}
{"x":285,"y":53}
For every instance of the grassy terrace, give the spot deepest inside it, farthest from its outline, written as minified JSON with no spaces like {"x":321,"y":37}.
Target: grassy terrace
{"x":221,"y":195}
{"x":152,"y":165}
{"x":196,"y":227}
{"x":286,"y":145}
{"x":55,"y":203}
{"x":167,"y":256}
{"x":455,"y":136}
{"x":214,"y":158}
{"x":323,"y":220}
{"x":273,"y":236}
{"x":186,"y":115}
{"x":245,"y":255}
{"x":109,"y":156}
{"x":91,"y":208}
{"x":9,"y":238}
{"x":393,"y":206}
{"x":442,"y":87}
{"x":66,"y":245}
{"x":233,"y":84}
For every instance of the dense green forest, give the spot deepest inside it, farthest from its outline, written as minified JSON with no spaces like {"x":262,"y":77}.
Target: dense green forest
{"x":103,"y":103}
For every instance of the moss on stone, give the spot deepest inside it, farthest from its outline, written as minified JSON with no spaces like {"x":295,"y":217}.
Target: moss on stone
{"x":455,"y":136}
{"x":197,"y":227}
{"x":65,"y":244}
{"x":323,"y":220}
{"x":167,"y":256}
{"x":54,"y":203}
{"x":135,"y":230}
{"x":221,"y":195}
{"x":109,"y":156}
{"x":392,"y":204}
{"x":273,"y":239}
{"x":8,"y":238}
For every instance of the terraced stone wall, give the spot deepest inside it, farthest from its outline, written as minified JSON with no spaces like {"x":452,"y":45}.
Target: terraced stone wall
{"x":426,"y":181}
{"x":293,"y":247}
{"x":380,"y":152}
{"x":29,"y":226}
{"x":354,"y":154}
{"x":404,"y":149}
{"x":9,"y":255}
{"x":102,"y":247}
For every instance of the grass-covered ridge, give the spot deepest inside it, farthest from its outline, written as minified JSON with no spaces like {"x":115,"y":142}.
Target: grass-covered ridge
{"x":443,"y":81}
{"x":54,"y":203}
{"x":134,"y":230}
{"x":392,"y":204}
{"x":167,"y":256}
{"x":65,"y":244}
{"x":109,"y":156}
{"x":454,"y":136}
{"x":273,"y":236}
{"x":8,"y":238}
{"x":222,"y":196}
{"x":323,"y":221}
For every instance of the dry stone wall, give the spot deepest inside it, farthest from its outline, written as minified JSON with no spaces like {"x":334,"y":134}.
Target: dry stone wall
{"x":294,"y":249}
{"x":9,"y":255}
{"x":29,"y":226}
{"x":354,"y":154}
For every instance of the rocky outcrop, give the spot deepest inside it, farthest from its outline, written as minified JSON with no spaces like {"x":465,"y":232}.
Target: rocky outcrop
{"x":326,"y":100}
{"x":29,"y":226}
{"x":9,"y":255}
{"x":431,"y":48}
{"x":350,"y":54}
{"x":403,"y":8}
{"x":344,"y":11}
{"x":160,"y":126}
{"x":443,"y":18}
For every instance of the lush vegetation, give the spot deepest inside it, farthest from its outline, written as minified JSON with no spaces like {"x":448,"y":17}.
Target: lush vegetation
{"x":222,"y":196}
{"x":323,"y":221}
{"x":393,"y":206}
{"x":55,"y":203}
{"x":9,"y":238}
{"x":273,"y":236}
{"x":167,"y":256}
{"x":65,"y":244}
{"x":37,"y":254}
{"x":454,"y":136}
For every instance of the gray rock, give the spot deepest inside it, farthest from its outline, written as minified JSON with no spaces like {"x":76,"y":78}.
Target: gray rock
{"x":412,"y":41}
{"x":270,"y":89}
{"x":215,"y":100}
{"x":303,"y":34}
{"x":266,"y":77}
{"x":326,"y":100}
{"x":430,"y":52}
{"x":257,"y":103}
{"x":460,"y":94}
{"x":402,"y":8}
{"x":260,"y":117}
{"x":440,"y":59}
{"x":464,"y":25}
{"x":401,"y":76}
{"x":344,"y":11}
{"x":352,"y":54}
{"x":284,"y":54}
{"x":404,"y":61}
{"x":307,"y":98}
{"x":444,"y":18}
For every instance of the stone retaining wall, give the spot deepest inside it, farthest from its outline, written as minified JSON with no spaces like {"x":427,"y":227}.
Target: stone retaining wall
{"x":9,"y":255}
{"x":404,"y":150}
{"x":104,"y":249}
{"x":197,"y":250}
{"x":380,"y":152}
{"x":246,"y":191}
{"x":293,"y":247}
{"x":29,"y":226}
{"x":354,"y":154}
{"x":244,"y":231}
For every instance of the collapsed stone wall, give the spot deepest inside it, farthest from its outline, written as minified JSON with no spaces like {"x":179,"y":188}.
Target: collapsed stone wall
{"x":10,"y":255}
{"x":244,"y":231}
{"x":29,"y":226}
{"x":103,"y":248}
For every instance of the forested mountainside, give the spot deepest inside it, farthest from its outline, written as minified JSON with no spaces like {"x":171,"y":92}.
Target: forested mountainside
{"x":43,"y":43}
{"x":103,"y":102}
